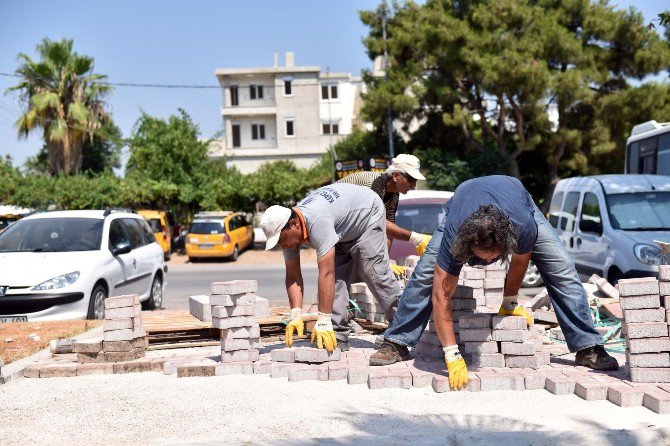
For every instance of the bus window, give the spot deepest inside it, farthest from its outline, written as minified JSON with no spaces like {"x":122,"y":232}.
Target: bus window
{"x":663,"y":167}
{"x":633,"y":157}
{"x":648,"y":155}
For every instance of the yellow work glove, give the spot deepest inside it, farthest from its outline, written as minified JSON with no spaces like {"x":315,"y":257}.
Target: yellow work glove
{"x":397,"y":269}
{"x":296,"y":324}
{"x":458,"y":371}
{"x":510,"y":307}
{"x":420,"y":241}
{"x":323,"y":332}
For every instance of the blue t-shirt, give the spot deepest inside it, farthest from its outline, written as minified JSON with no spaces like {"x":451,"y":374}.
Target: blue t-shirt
{"x":505,"y":193}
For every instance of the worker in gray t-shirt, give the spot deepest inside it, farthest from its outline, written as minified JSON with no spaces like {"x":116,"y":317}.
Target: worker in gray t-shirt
{"x":345,"y":224}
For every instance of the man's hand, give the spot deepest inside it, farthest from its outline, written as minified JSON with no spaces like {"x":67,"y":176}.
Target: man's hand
{"x":397,"y":269}
{"x":420,"y":241}
{"x":296,"y":324}
{"x":510,"y":307}
{"x":323,"y":332}
{"x":458,"y":371}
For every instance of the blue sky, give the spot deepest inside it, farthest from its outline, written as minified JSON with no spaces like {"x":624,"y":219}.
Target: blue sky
{"x":183,"y":42}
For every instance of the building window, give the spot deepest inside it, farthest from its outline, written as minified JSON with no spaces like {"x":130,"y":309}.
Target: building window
{"x":236,"y":135}
{"x":289,"y":127}
{"x":234,"y":96}
{"x":331,"y":128}
{"x":255,"y":92}
{"x":328,"y":92}
{"x":257,"y":131}
{"x":288,"y":87}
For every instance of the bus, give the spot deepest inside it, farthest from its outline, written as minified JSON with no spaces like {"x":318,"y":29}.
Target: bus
{"x":648,"y":149}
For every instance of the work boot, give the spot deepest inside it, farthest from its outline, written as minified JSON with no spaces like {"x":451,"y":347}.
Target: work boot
{"x":343,"y":345}
{"x":389,"y":353}
{"x":596,"y":358}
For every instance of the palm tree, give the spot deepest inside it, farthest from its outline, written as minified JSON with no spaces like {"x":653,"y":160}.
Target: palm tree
{"x":62,"y":96}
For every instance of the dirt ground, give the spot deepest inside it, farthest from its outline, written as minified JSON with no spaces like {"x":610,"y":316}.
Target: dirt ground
{"x":21,"y":345}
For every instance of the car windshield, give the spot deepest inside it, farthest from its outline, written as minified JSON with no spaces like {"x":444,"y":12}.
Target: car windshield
{"x":52,"y":235}
{"x":649,"y":211}
{"x":206,"y":227}
{"x":422,"y":218}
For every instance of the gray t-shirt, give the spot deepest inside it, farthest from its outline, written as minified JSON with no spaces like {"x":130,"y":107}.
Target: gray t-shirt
{"x":337,"y":213}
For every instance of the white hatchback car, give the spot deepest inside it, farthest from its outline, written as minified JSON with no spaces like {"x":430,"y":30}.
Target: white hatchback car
{"x":63,"y":265}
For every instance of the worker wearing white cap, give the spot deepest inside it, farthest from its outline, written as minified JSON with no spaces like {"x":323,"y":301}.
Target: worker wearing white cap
{"x":400,"y":177}
{"x":346,"y":225}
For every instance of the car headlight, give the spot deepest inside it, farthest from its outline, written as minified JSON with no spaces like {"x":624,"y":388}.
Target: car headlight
{"x":58,"y":282}
{"x":647,"y":254}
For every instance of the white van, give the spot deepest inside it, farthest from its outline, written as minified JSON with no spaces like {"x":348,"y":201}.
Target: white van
{"x":608,"y":223}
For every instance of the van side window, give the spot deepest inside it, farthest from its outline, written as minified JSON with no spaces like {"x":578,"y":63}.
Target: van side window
{"x":117,"y":235}
{"x":134,"y":232}
{"x":590,"y":216}
{"x":555,"y":208}
{"x":569,"y":211}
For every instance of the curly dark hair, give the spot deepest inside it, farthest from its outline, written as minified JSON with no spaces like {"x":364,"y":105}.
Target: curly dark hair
{"x":487,"y":229}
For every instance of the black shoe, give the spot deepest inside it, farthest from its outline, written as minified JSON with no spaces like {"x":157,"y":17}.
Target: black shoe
{"x":389,"y":353}
{"x":596,"y":358}
{"x":343,"y":345}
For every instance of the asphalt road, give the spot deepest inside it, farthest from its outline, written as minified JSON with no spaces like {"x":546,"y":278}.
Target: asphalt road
{"x":186,"y":280}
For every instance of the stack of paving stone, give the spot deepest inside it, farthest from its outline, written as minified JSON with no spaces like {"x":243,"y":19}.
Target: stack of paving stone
{"x":303,"y":363}
{"x":370,"y":310}
{"x":123,"y":338}
{"x":489,"y":340}
{"x":646,"y":326}
{"x":234,"y":313}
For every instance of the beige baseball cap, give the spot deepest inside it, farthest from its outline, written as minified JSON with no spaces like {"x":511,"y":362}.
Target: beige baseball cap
{"x":408,"y":164}
{"x":273,"y":221}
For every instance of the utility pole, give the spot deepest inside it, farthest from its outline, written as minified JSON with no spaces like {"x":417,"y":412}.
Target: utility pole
{"x":389,"y":118}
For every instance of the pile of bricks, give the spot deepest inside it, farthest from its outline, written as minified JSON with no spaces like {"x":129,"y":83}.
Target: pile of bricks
{"x":644,"y":303}
{"x":234,"y":313}
{"x":313,"y":363}
{"x":200,"y":308}
{"x":123,"y":339}
{"x":370,"y":310}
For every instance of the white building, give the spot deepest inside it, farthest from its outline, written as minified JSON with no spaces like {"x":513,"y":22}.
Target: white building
{"x":284,"y":113}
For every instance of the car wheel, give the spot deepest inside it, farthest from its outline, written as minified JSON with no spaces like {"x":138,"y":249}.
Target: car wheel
{"x":155,"y":300}
{"x":532,"y":278}
{"x":236,"y":253}
{"x":96,"y":305}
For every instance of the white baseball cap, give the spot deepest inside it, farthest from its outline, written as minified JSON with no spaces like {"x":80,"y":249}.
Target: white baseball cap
{"x":272,"y":222}
{"x":408,"y":164}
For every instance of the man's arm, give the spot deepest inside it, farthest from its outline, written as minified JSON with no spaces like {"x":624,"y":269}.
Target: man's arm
{"x":517,"y":269}
{"x":294,"y":284}
{"x":326,"y":283}
{"x":395,"y":232}
{"x":444,"y":285}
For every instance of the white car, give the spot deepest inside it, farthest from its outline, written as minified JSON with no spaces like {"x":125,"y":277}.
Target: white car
{"x":63,"y":265}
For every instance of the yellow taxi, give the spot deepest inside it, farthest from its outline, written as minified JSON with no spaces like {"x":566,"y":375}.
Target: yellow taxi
{"x":159,"y":226}
{"x":218,"y":234}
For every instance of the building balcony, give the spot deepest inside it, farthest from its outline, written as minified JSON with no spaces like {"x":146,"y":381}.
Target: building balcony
{"x":249,"y":110}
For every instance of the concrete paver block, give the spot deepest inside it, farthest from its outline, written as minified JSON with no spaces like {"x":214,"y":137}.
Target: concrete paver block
{"x":475,"y":320}
{"x":664,"y":273}
{"x":358,"y":375}
{"x":118,"y":324}
{"x":484,"y":360}
{"x":650,"y":375}
{"x":480,"y":347}
{"x":120,"y":356}
{"x":103,"y":368}
{"x":400,"y":378}
{"x":646,"y":330}
{"x":286,"y":354}
{"x":560,"y":384}
{"x":58,"y":370}
{"x":123,"y":312}
{"x":656,"y":400}
{"x":472,"y":273}
{"x":590,"y":390}
{"x":644,"y":315}
{"x":648,"y":301}
{"x":648,"y":345}
{"x":196,"y":369}
{"x":233,"y":322}
{"x":117,"y":346}
{"x":239,"y":355}
{"x":134,"y":366}
{"x":233,"y":287}
{"x":337,"y":370}
{"x":200,"y":308}
{"x":262,"y":367}
{"x":235,"y":368}
{"x":458,"y":304}
{"x":495,"y":381}
{"x":227,"y":300}
{"x":638,"y":286}
{"x":128,"y":300}
{"x":526,"y":348}
{"x":237,"y":310}
{"x":118,"y":335}
{"x":625,"y":396}
{"x":511,"y":335}
{"x":280,"y":369}
{"x":228,"y":345}
{"x":535,"y":361}
{"x":475,"y":335}
{"x":316,"y":355}
{"x":253,"y":331}
{"x":88,"y":346}
{"x":261,"y":308}
{"x":534,"y":381}
{"x":664,"y":288}
{"x":508,"y":323}
{"x":648,"y":360}
{"x":441,"y":383}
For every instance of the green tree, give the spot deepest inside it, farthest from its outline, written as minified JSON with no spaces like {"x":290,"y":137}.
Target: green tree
{"x":62,"y":96}
{"x":516,"y":76}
